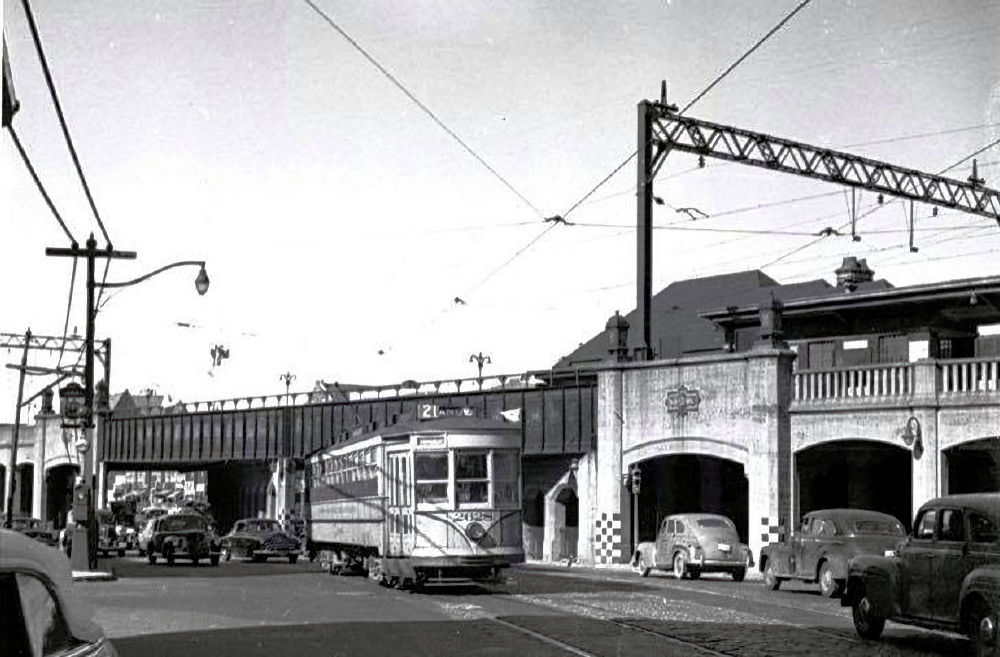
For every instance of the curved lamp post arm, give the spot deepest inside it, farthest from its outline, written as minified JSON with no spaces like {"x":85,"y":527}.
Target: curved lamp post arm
{"x":201,"y":283}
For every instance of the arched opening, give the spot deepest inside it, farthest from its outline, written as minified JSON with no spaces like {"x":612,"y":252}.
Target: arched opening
{"x":59,"y":481}
{"x":691,"y":483}
{"x":855,"y":474}
{"x":25,"y":486}
{"x":973,"y":467}
{"x":237,"y":490}
{"x":567,"y":524}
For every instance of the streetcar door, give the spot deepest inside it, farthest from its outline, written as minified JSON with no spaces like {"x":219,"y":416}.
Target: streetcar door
{"x":400,"y":505}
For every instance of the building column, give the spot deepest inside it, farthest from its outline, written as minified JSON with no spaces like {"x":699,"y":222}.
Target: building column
{"x":38,"y":492}
{"x":586,"y":491}
{"x":611,"y":522}
{"x":769,"y":462}
{"x":283,"y":478}
{"x":922,"y":436}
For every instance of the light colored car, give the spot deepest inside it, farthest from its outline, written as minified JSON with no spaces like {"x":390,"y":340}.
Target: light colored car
{"x":41,"y":616}
{"x":689,"y":544}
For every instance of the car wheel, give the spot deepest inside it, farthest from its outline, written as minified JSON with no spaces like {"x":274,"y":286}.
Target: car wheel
{"x":214,"y":560}
{"x":771,"y":579}
{"x":121,"y":553}
{"x":168,"y":554}
{"x":292,"y":558}
{"x":151,"y":557}
{"x":982,"y":630}
{"x":194,"y":561}
{"x":680,"y":566}
{"x":867,"y":621}
{"x":828,"y":586}
{"x":643,"y":566}
{"x":739,"y":574}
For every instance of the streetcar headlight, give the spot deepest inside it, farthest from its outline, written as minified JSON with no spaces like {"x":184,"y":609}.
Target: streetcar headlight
{"x":475,"y":531}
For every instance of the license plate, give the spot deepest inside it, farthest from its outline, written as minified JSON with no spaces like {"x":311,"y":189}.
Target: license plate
{"x":724,"y":547}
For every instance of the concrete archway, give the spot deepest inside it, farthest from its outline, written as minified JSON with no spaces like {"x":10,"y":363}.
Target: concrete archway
{"x":689,"y":483}
{"x":973,"y":466}
{"x":562,"y":520}
{"x":857,"y":474}
{"x":59,"y":482}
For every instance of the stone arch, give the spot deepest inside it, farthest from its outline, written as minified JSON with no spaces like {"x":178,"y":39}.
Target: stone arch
{"x":59,"y":482}
{"x":971,"y":466}
{"x":689,"y":445}
{"x":562,"y":515}
{"x":853,"y":472}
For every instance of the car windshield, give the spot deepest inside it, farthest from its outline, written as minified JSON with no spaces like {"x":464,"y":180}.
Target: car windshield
{"x":714,"y":522}
{"x":178,"y":523}
{"x":876,"y":526}
{"x":262,"y":526}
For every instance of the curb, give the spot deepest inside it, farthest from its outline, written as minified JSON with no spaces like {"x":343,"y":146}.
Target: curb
{"x":93,"y":576}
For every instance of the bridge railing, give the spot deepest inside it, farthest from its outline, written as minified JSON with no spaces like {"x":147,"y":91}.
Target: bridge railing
{"x":886,"y":380}
{"x":970,"y":375}
{"x":335,"y":392}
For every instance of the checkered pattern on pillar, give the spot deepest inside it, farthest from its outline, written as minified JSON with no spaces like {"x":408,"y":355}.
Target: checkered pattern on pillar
{"x":608,"y":538}
{"x":771,"y":533}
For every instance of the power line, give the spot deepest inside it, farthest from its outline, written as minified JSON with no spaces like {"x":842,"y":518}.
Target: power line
{"x":69,"y":305}
{"x":38,"y":183}
{"x":512,"y":258}
{"x":426,"y":110}
{"x":62,"y":119}
{"x":714,"y":82}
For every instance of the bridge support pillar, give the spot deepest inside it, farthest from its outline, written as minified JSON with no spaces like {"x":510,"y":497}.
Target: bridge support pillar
{"x":284,"y":483}
{"x":922,"y":437}
{"x":610,"y":529}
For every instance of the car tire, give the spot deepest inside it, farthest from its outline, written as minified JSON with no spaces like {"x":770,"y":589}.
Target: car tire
{"x":292,"y":558}
{"x":643,"y":566}
{"x":739,"y":574}
{"x":194,"y":561}
{"x":151,"y":558}
{"x":168,"y":554}
{"x":829,"y":587}
{"x":680,"y":566}
{"x":771,"y":579}
{"x":867,"y":622}
{"x":984,"y":640}
{"x":214,"y":560}
{"x":121,"y":553}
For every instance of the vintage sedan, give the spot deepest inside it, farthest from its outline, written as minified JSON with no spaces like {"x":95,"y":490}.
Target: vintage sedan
{"x":825,"y":542}
{"x":41,"y":614}
{"x":259,"y":538}
{"x":36,"y":529}
{"x":689,"y":544}
{"x":186,"y":536}
{"x":108,"y":538}
{"x":945,"y":575}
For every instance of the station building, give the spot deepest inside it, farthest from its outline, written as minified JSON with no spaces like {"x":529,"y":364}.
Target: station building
{"x":765,"y":401}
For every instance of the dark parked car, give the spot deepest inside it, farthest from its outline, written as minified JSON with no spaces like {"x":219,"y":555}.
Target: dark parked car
{"x":259,"y":538}
{"x":827,"y":539}
{"x":944,"y":575}
{"x":689,"y":544}
{"x":36,"y":529}
{"x":187,"y":536}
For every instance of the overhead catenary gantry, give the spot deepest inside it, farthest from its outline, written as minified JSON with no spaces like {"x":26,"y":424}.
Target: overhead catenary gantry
{"x":662,"y":130}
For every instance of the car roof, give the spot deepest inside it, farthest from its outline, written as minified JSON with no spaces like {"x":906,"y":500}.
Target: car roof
{"x":989,"y":502}
{"x":694,"y":516}
{"x":18,"y":553}
{"x":851,"y":514}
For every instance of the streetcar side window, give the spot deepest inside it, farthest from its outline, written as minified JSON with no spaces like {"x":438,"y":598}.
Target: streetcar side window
{"x":431,"y":475}
{"x":506,"y":477}
{"x":472,"y":482}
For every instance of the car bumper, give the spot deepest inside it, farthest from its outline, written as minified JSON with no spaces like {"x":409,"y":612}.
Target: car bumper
{"x":722,"y":564}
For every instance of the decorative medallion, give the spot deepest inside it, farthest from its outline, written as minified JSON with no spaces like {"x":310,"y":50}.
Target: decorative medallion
{"x":683,"y":400}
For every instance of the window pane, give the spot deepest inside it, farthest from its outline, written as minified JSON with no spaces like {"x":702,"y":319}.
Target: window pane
{"x":680,"y":527}
{"x":506,"y":493}
{"x":472,"y":491}
{"x":981,"y":529}
{"x":432,"y":492}
{"x":431,"y":466}
{"x":926,"y":527}
{"x":506,"y":466}
{"x":45,"y":626}
{"x":952,"y":528}
{"x":470,"y":466}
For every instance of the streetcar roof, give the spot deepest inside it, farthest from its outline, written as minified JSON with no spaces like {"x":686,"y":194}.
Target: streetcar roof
{"x":450,"y":423}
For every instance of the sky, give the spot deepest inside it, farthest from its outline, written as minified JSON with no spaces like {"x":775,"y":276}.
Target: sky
{"x":339,"y":221}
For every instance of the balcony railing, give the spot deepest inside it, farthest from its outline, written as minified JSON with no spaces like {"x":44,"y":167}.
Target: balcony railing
{"x":960,"y":377}
{"x":970,"y":375}
{"x":889,"y":380}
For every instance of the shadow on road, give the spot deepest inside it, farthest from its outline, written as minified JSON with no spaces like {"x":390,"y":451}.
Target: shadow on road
{"x":131,"y":567}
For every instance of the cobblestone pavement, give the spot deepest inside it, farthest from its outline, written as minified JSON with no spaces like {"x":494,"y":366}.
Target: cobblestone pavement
{"x":274,"y":609}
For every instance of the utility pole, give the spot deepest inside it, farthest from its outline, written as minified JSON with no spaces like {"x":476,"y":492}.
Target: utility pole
{"x":12,"y":467}
{"x":82,"y":557}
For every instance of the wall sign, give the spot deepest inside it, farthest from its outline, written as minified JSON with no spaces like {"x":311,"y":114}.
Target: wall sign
{"x":683,"y":400}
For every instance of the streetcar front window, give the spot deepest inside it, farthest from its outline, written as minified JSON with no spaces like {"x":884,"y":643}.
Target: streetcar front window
{"x":506,"y":472}
{"x":472,"y":483}
{"x":431,"y":475}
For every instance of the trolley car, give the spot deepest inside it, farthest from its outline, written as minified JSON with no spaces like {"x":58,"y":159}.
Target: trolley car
{"x":432,"y":500}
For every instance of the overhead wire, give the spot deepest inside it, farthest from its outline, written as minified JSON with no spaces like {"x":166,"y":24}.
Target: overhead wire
{"x":62,"y":119}
{"x":701,"y":95}
{"x":69,"y":306}
{"x":38,"y":183}
{"x":399,"y":85}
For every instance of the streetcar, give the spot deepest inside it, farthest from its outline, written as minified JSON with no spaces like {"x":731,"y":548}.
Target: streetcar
{"x":433,"y":499}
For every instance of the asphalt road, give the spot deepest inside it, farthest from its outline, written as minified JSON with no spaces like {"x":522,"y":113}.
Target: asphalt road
{"x":241,"y":608}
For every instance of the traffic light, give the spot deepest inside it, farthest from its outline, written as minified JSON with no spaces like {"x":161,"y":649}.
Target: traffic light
{"x":636,"y":479}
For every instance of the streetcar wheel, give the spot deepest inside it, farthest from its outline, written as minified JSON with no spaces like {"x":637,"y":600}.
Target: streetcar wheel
{"x":828,"y":586}
{"x":771,"y":579}
{"x":867,"y":621}
{"x":680,"y":566}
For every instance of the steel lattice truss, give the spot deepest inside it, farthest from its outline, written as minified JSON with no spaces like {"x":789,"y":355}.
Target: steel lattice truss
{"x":673,"y":132}
{"x":48,"y":343}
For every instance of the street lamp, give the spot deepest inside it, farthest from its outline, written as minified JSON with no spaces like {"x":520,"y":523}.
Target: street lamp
{"x":287,"y":377}
{"x":83,"y":558}
{"x":479,"y":359}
